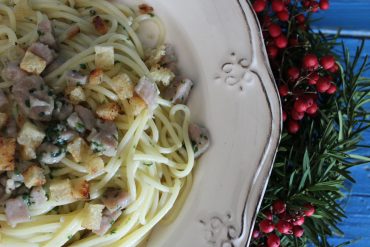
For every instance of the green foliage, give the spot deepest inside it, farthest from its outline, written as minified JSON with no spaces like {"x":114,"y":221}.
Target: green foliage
{"x":311,"y":167}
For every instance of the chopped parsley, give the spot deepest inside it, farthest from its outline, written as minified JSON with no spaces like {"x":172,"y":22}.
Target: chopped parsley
{"x":92,"y":12}
{"x":113,"y":231}
{"x":97,"y":147}
{"x":27,"y":102}
{"x":40,"y":33}
{"x":26,"y":198}
{"x":80,"y":127}
{"x":151,"y":14}
{"x":32,"y":90}
{"x":83,"y":66}
{"x":70,"y":237}
{"x":148,"y":163}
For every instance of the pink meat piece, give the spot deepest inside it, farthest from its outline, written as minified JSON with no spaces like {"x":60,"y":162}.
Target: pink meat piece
{"x":178,"y":92}
{"x":199,"y":137}
{"x":115,"y":199}
{"x":147,"y":90}
{"x":43,"y":51}
{"x":16,"y":211}
{"x":107,"y":221}
{"x":12,"y":72}
{"x":46,"y":33}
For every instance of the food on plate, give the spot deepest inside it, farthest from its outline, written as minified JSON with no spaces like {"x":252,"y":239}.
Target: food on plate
{"x":96,"y":140}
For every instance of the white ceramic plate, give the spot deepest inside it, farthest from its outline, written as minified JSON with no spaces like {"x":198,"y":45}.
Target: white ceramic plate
{"x":220,"y":47}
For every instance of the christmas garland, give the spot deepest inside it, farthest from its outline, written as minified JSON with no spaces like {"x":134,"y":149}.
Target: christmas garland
{"x":323,"y":97}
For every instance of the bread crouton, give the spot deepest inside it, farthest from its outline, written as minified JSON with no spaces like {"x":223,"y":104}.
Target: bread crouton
{"x":75,"y":94}
{"x":32,"y":63}
{"x":123,"y":86}
{"x":34,"y":176}
{"x":80,"y":189}
{"x":95,"y":165}
{"x":7,"y":154}
{"x":92,"y":216}
{"x":137,"y":105}
{"x":108,"y":111}
{"x":77,"y":148}
{"x":61,"y":190}
{"x":30,"y":135}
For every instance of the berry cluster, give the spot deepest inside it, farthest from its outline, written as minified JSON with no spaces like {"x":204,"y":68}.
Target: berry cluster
{"x":302,"y":79}
{"x":279,"y":221}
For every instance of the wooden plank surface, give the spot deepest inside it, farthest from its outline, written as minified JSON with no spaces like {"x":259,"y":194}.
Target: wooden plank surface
{"x":353,"y":17}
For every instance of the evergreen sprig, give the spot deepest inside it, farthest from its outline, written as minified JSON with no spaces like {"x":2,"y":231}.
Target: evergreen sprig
{"x":312,"y":166}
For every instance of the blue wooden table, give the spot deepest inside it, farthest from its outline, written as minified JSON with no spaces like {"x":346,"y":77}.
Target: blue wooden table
{"x":353,"y":18}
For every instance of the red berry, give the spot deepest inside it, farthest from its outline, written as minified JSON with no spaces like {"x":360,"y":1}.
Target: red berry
{"x":298,"y":231}
{"x":293,"y":126}
{"x":314,"y":6}
{"x":284,"y":227}
{"x":285,"y":116}
{"x":283,"y":90}
{"x":274,"y":30}
{"x":298,"y":221}
{"x":324,"y":4}
{"x":322,"y":85}
{"x":334,"y":69}
{"x":281,"y":41}
{"x":266,"y":226}
{"x":309,"y":210}
{"x":259,"y":5}
{"x":309,"y":101}
{"x":313,"y":78}
{"x":279,"y":207}
{"x":327,"y":62}
{"x":300,"y":105}
{"x":272,"y":50}
{"x":293,"y":73}
{"x":297,"y":115}
{"x":306,"y":4}
{"x":300,"y":19}
{"x":310,"y":62}
{"x":256,"y":234}
{"x":277,"y":5}
{"x":312,"y":110}
{"x":283,"y":15}
{"x":332,"y":89}
{"x":268,"y":214}
{"x":273,"y":241}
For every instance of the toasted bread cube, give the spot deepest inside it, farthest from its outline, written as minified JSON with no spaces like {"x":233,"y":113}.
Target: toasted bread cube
{"x":30,"y":135}
{"x":27,"y":153}
{"x":96,"y":77}
{"x":161,"y":74}
{"x":92,"y":216}
{"x":61,"y":190}
{"x":108,"y":111}
{"x":34,"y":176}
{"x":32,"y":63}
{"x":3,"y":119}
{"x":77,"y":148}
{"x":137,"y":105}
{"x":75,"y":94}
{"x":7,"y":154}
{"x":104,"y":57}
{"x":80,"y":189}
{"x":123,"y":86}
{"x":155,"y":56}
{"x":95,"y":165}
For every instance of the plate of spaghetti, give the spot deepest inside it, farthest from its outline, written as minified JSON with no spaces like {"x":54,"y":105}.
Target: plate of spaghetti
{"x":127,"y":123}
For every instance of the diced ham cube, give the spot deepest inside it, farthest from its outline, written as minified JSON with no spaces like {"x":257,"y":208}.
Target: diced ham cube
{"x":116,"y":199}
{"x":16,"y":211}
